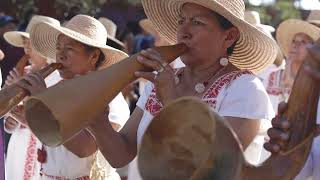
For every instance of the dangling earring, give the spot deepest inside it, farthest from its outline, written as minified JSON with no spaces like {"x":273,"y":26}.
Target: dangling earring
{"x":224,"y":61}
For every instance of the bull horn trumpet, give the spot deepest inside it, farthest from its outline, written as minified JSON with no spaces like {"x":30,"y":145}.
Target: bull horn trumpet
{"x":187,"y":140}
{"x":63,"y":110}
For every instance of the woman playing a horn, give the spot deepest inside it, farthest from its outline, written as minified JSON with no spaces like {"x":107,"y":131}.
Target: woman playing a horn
{"x":224,"y":53}
{"x":294,"y":41}
{"x":21,"y":161}
{"x":81,"y":47}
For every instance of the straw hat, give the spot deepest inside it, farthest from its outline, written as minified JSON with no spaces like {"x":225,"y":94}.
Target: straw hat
{"x":289,"y":28}
{"x":111,"y":28}
{"x":82,"y":28}
{"x":253,"y":17}
{"x":254,"y":50}
{"x":314,"y":17}
{"x":15,"y":38}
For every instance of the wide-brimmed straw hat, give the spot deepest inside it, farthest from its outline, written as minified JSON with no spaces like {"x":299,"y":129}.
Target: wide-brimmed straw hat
{"x":289,"y":28}
{"x":15,"y":38}
{"x":111,"y":28}
{"x":253,"y":17}
{"x":254,"y":50}
{"x":82,"y":28}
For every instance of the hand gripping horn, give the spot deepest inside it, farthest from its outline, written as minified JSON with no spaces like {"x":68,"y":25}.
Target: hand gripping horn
{"x":63,"y":110}
{"x":187,"y":140}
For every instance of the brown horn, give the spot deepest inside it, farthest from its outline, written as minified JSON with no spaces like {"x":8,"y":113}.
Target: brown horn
{"x":186,"y":140}
{"x":12,"y":95}
{"x":81,"y":99}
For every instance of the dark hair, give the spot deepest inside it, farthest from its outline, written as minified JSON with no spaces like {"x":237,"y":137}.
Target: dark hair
{"x":226,"y":24}
{"x":101,"y":58}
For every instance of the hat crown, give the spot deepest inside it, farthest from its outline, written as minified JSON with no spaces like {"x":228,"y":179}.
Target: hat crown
{"x":89,"y":27}
{"x":252,"y":17}
{"x":236,"y":7}
{"x":37,"y":19}
{"x":110,"y":26}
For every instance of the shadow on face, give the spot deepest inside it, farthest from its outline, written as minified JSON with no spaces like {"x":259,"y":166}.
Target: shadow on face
{"x":207,"y":34}
{"x":298,"y":50}
{"x":75,"y":57}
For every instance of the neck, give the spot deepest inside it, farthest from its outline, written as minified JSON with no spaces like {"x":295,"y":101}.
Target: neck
{"x":201,"y":72}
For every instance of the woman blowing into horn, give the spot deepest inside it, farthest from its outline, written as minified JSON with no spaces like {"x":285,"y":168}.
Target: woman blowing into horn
{"x":224,"y":52}
{"x":80,"y":52}
{"x":21,"y":160}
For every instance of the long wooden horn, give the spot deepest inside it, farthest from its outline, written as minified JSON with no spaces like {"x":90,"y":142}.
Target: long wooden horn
{"x":12,"y":95}
{"x":189,"y":141}
{"x":63,"y":110}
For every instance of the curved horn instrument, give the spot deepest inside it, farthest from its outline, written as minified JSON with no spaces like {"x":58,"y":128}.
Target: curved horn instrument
{"x":187,"y":140}
{"x":22,"y":63}
{"x":63,"y":110}
{"x":12,"y":95}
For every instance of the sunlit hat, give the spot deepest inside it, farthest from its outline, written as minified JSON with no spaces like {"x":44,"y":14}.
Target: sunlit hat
{"x":15,"y":38}
{"x":289,"y":28}
{"x":82,"y":28}
{"x":111,"y":28}
{"x":254,"y":50}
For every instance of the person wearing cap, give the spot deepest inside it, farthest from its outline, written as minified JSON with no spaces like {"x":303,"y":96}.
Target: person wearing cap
{"x":21,"y":161}
{"x":294,"y":37}
{"x":224,"y":52}
{"x":80,"y":52}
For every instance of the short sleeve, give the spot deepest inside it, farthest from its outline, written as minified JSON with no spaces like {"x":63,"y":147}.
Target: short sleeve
{"x":247,"y":98}
{"x":145,"y":95}
{"x":118,"y":110}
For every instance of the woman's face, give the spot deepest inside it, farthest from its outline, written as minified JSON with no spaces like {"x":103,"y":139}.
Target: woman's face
{"x":75,"y":58}
{"x":35,"y":58}
{"x":199,"y":29}
{"x":298,"y":50}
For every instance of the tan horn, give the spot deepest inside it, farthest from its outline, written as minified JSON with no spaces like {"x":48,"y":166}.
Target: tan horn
{"x":63,"y":110}
{"x":12,"y":95}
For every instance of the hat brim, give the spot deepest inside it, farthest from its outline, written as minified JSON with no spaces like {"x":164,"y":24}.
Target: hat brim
{"x":267,"y":27}
{"x":315,"y":22}
{"x":15,"y":38}
{"x":254,"y":50}
{"x":116,"y":41}
{"x":289,"y":28}
{"x":44,"y":38}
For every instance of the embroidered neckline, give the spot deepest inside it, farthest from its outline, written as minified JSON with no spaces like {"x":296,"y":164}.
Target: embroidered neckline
{"x":154,"y":106}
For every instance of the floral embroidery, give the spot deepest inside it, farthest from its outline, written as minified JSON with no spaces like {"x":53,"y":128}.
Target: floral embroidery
{"x":154,"y":106}
{"x":30,"y":160}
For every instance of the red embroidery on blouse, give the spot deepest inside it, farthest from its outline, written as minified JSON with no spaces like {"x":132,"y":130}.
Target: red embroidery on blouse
{"x":30,"y":159}
{"x":273,"y":87}
{"x":154,"y":106}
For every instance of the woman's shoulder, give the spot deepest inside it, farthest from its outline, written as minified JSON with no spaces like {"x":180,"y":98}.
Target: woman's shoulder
{"x":246,"y":80}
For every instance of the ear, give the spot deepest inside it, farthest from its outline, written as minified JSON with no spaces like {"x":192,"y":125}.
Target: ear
{"x":232,"y":35}
{"x":94,"y":57}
